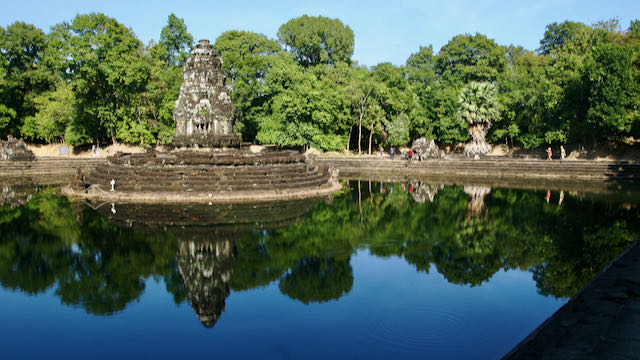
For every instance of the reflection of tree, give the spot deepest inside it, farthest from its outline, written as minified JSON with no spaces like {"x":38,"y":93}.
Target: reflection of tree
{"x":35,"y":242}
{"x":109,"y":265}
{"x":318,"y":280}
{"x":517,"y":229}
{"x":477,"y":193}
{"x":94,"y":264}
{"x":49,"y":242}
{"x":175,"y":284}
{"x":422,"y":191}
{"x":206,"y":267}
{"x":568,"y":265}
{"x":311,"y":255}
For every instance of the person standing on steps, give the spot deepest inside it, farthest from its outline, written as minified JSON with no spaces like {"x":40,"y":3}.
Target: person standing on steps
{"x":549,"y":153}
{"x":391,"y":153}
{"x":563,"y":153}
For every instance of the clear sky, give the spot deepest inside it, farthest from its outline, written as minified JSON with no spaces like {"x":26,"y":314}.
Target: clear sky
{"x":385,"y":31}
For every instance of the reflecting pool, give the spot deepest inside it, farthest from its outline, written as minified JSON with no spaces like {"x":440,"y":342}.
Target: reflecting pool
{"x":380,"y":270}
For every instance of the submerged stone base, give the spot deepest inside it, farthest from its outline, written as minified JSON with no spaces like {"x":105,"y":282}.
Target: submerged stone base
{"x":207,"y":140}
{"x":209,"y":177}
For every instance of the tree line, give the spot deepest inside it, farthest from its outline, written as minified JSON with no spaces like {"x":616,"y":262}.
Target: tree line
{"x":91,"y":80}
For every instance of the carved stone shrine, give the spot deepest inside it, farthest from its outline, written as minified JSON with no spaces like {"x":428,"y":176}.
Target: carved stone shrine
{"x":221,"y":175}
{"x":203,"y":112}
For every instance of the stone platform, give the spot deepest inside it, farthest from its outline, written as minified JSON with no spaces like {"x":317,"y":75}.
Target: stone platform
{"x":485,"y":168}
{"x":207,"y":140}
{"x":216,"y":177}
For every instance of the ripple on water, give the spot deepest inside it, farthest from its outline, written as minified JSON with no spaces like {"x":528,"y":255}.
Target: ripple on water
{"x":412,"y":329}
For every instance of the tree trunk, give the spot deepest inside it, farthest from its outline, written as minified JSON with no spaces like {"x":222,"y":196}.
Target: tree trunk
{"x":371,"y":137}
{"x":113,"y":134}
{"x":360,"y":202}
{"x":360,"y":134}
{"x":478,"y":145}
{"x":349,"y":139}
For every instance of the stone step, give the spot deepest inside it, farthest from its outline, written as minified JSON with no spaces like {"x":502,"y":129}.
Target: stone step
{"x":196,"y":176}
{"x":201,"y":180}
{"x":516,"y":168}
{"x":219,"y":188}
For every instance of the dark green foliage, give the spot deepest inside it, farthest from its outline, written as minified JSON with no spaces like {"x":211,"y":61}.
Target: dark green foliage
{"x":557,"y":35}
{"x":614,"y":95}
{"x":107,"y":72}
{"x":305,"y":107}
{"x":468,"y":58}
{"x":317,"y":40}
{"x":23,"y":75}
{"x":634,"y":29}
{"x":247,"y":59}
{"x":55,"y":113}
{"x":92,"y":80}
{"x":176,"y":41}
{"x":523,"y":89}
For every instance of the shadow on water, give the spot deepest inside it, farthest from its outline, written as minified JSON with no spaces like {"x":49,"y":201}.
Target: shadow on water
{"x":100,"y":259}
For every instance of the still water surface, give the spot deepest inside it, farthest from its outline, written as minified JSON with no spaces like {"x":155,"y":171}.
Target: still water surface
{"x":381,"y":270}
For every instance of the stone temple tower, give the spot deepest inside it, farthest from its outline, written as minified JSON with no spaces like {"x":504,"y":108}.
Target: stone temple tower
{"x":203,"y":112}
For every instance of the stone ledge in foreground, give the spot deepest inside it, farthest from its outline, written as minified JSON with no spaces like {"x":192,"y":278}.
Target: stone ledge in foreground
{"x":602,"y":321}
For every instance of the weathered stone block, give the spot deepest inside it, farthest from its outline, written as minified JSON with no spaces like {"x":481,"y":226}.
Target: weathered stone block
{"x":15,"y":150}
{"x":427,"y":149}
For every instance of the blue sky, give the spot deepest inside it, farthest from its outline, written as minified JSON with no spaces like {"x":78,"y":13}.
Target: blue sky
{"x":385,"y":31}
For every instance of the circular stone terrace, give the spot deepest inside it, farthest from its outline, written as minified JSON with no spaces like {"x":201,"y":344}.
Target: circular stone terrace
{"x":204,"y":177}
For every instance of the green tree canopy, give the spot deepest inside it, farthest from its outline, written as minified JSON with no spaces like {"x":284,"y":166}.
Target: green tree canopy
{"x":478,"y":106}
{"x":420,"y":66}
{"x":614,"y":91}
{"x":247,"y":59}
{"x":317,"y":40}
{"x":478,"y":103}
{"x":367,"y":96}
{"x":305,"y":109}
{"x":105,"y":65}
{"x":176,"y":41}
{"x":557,"y":35}
{"x":55,"y":115}
{"x":468,"y":58}
{"x":22,"y":75}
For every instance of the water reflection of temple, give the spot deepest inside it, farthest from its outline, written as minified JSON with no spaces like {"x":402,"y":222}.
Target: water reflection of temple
{"x":16,"y":195}
{"x":206,"y":268}
{"x":206,"y":253}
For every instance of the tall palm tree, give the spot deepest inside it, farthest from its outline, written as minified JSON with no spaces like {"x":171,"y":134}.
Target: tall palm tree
{"x":478,"y":105}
